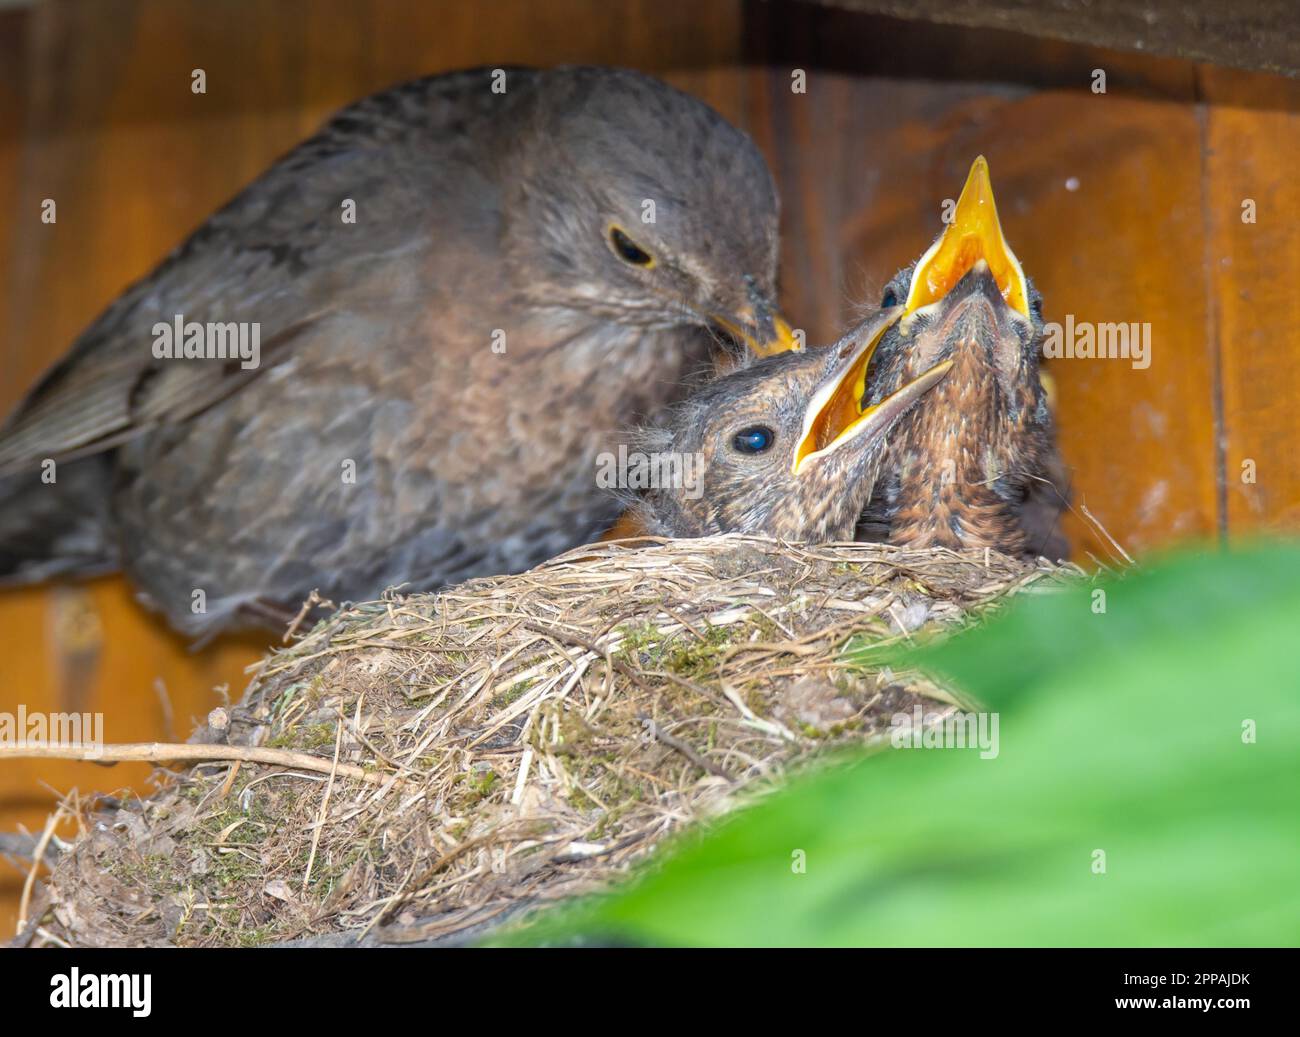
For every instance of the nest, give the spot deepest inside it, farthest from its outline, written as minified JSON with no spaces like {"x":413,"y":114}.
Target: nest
{"x":509,"y":742}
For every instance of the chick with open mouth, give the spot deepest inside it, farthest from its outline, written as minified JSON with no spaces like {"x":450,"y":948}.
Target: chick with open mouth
{"x":977,"y":467}
{"x":785,"y":445}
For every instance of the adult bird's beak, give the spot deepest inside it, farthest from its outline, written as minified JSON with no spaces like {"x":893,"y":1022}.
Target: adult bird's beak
{"x":759,"y":325}
{"x":835,"y":416}
{"x":973,"y":234}
{"x":764,"y":335}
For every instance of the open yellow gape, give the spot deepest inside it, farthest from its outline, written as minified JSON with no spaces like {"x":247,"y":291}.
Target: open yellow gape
{"x":973,"y":234}
{"x":835,"y":415}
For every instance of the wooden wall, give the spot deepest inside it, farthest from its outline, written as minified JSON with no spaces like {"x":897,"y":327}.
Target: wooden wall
{"x":1123,"y":206}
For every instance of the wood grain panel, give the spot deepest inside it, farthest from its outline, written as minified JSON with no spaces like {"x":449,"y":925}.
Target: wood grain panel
{"x":1252,"y":137}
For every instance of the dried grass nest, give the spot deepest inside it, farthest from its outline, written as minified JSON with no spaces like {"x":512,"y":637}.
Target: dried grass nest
{"x":521,"y":739}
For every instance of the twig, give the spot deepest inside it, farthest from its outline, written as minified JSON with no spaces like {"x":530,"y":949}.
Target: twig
{"x":676,"y":743}
{"x":157,"y":752}
{"x":37,"y":856}
{"x":324,"y":806}
{"x":313,"y":599}
{"x":45,"y":934}
{"x":229,"y":783}
{"x":1106,"y":533}
{"x":591,"y":646}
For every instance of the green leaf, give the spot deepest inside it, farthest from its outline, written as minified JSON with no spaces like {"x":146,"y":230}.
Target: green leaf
{"x":1120,"y":739}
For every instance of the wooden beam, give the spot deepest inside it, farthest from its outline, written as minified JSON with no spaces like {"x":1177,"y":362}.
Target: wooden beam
{"x":1263,"y":35}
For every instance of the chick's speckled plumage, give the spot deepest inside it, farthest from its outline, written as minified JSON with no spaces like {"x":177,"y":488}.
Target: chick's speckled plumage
{"x":436,"y":378}
{"x":977,"y":466}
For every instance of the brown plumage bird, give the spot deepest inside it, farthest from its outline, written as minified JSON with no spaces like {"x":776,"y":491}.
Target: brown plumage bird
{"x":977,"y":466}
{"x":781,"y":446}
{"x":534,"y":261}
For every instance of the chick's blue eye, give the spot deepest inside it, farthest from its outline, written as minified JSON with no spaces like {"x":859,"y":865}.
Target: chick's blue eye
{"x":889,"y":299}
{"x":752,"y":440}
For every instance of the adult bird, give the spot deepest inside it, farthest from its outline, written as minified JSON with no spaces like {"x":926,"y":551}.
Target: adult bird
{"x":783,"y":446}
{"x":977,"y":467}
{"x":461,"y":286}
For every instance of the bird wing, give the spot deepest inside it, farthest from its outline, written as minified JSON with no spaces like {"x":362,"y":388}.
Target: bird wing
{"x":280,"y":254}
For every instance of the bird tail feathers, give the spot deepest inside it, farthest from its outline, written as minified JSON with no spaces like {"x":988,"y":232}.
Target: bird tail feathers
{"x":55,"y":522}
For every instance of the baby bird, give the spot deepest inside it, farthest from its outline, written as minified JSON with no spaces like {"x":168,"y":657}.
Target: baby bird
{"x":977,"y":467}
{"x":782,"y":446}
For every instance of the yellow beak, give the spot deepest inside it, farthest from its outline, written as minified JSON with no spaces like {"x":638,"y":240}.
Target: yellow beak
{"x":745,"y":326}
{"x":973,"y":234}
{"x":835,"y":414}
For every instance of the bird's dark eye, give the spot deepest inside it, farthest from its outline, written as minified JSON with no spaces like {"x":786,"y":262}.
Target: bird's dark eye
{"x":628,"y":250}
{"x":753,"y":440}
{"x":890,"y":298}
